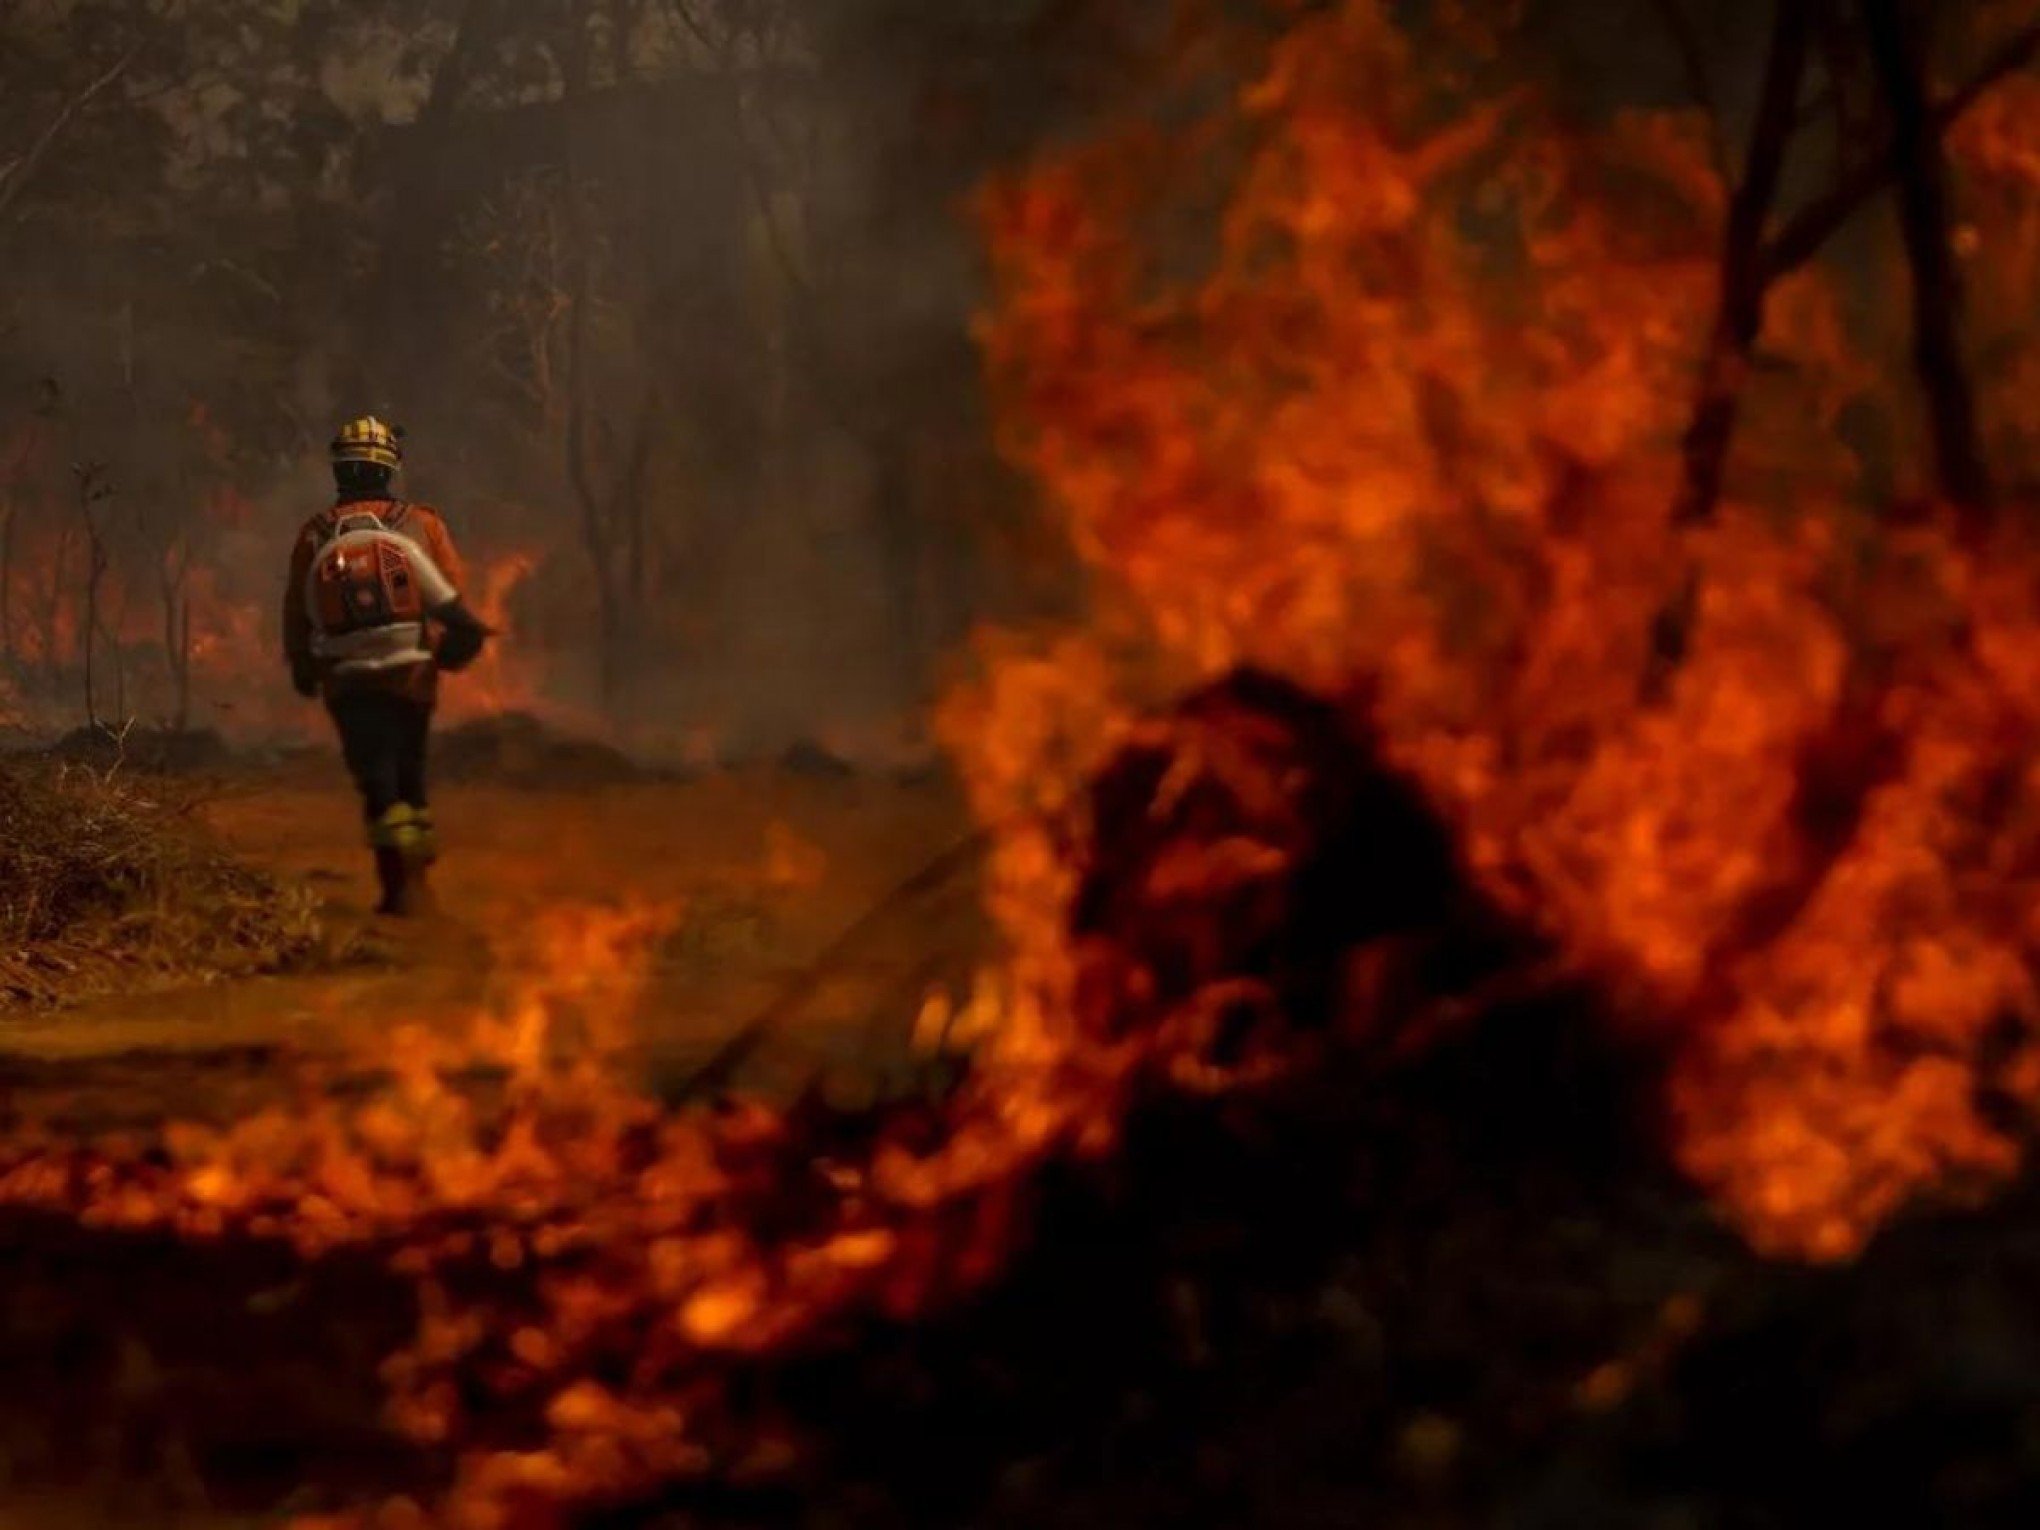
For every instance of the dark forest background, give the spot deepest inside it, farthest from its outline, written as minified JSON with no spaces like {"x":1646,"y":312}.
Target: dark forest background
{"x":673,"y":296}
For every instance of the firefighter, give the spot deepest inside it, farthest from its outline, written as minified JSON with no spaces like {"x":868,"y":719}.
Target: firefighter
{"x":371,"y":614}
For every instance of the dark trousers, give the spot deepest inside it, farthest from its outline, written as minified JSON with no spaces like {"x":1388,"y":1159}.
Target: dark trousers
{"x":383,"y":738}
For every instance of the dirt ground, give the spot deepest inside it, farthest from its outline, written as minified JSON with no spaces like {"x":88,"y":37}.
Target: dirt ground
{"x":762,"y":871}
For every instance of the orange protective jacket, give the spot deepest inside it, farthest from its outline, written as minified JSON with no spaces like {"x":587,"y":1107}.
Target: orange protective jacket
{"x":423,"y":525}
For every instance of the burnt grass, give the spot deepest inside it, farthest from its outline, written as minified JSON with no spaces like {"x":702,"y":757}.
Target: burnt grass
{"x":107,"y":886}
{"x":1454,"y":1285}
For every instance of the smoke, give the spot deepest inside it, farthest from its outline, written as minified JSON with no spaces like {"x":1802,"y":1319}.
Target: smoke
{"x":674,"y":301}
{"x":697,"y":332}
{"x":675,"y":298}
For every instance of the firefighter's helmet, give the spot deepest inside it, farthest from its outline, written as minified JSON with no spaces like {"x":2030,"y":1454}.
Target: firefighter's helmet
{"x":368,"y":439}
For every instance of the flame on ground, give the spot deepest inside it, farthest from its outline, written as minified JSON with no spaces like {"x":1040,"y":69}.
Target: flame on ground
{"x":656,"y":1246}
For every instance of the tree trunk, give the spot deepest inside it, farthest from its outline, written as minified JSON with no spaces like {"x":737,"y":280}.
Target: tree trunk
{"x":95,"y":571}
{"x":173,"y":578}
{"x":1814,"y":225}
{"x":7,"y":522}
{"x":896,"y":521}
{"x":598,"y":507}
{"x":402,"y":289}
{"x":91,"y":487}
{"x":120,"y":706}
{"x":1744,"y":278}
{"x":1897,"y":36}
{"x":184,"y":664}
{"x":1745,"y":283}
{"x":611,"y":644}
{"x":111,"y":630}
{"x":90,"y":626}
{"x":51,"y":617}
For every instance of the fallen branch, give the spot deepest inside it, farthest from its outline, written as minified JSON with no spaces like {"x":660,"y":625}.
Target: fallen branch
{"x":715,"y":1074}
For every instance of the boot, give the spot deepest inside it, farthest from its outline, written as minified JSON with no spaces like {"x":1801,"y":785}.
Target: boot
{"x":417,"y":886}
{"x":420,"y":843}
{"x":424,"y":838}
{"x":392,"y":837}
{"x":392,"y":872}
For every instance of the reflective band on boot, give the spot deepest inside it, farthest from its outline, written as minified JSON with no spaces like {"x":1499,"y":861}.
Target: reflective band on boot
{"x":423,"y":845}
{"x":397,"y":829}
{"x":391,"y":875}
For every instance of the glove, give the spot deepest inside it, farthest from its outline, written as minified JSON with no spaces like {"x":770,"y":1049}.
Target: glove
{"x":304,"y":678}
{"x":461,"y":637}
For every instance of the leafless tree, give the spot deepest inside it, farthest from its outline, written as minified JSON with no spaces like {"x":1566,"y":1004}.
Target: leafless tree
{"x":17,"y":173}
{"x":1757,"y":250}
{"x":92,"y":489}
{"x":1744,"y":281}
{"x":1898,"y":36}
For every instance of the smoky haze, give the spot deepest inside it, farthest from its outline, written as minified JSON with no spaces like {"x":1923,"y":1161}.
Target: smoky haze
{"x":671,"y":296}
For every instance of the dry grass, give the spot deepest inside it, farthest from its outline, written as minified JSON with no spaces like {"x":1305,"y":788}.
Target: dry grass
{"x":107,"y":883}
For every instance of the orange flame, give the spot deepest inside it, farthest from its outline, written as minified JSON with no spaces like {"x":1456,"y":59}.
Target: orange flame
{"x":1381,"y":438}
{"x":1414,"y":432}
{"x":647,"y":1226}
{"x":504,"y":678}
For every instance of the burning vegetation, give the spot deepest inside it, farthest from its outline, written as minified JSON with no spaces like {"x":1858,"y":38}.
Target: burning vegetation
{"x":1764,"y":764}
{"x":1526,"y":724}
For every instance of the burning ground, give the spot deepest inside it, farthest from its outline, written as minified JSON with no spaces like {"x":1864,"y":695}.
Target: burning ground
{"x":1514,"y":985}
{"x":1337,"y":1197}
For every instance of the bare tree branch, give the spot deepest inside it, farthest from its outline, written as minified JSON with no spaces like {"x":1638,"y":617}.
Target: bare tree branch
{"x":1699,"y":79}
{"x":1744,"y":280}
{"x":1811,"y":228}
{"x":1897,"y":41}
{"x":21,"y":171}
{"x":1800,"y":239}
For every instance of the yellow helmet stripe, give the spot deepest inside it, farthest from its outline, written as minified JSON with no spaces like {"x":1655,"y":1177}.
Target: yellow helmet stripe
{"x":367,"y":439}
